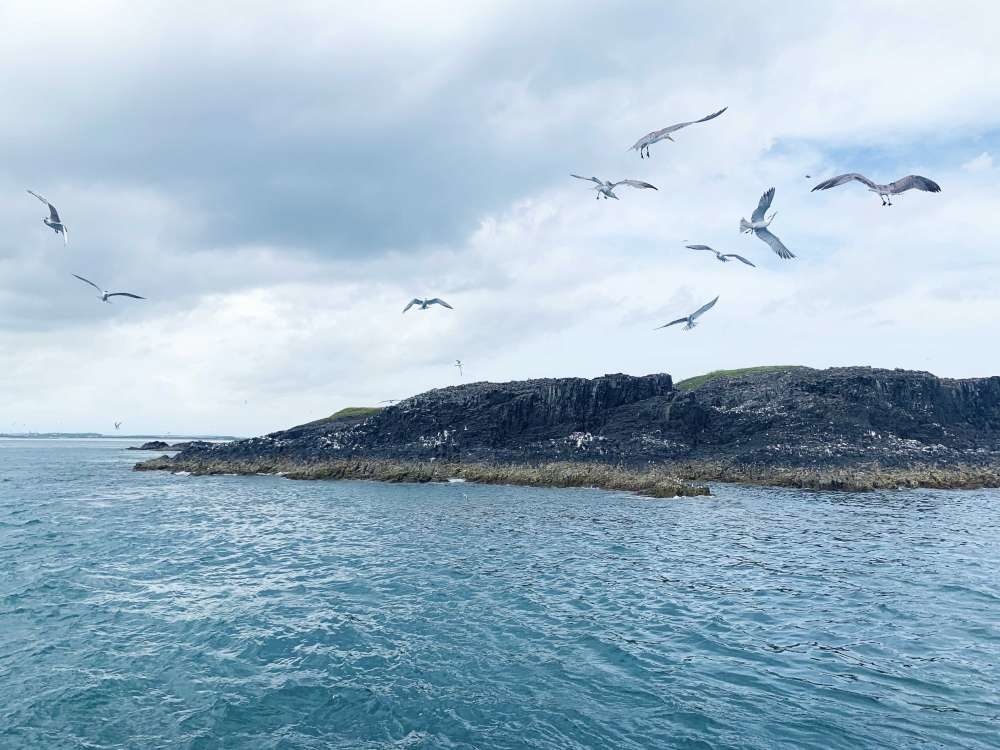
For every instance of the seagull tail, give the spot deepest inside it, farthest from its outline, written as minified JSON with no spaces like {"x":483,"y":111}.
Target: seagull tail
{"x":745,"y":226}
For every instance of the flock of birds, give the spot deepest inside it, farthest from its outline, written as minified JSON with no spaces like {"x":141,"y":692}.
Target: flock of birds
{"x":758,"y":224}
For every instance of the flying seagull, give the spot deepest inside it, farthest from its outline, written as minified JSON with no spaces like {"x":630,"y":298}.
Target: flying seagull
{"x":607,"y":188}
{"x":105,"y":294}
{"x":758,"y":225}
{"x":425,"y":303}
{"x":118,"y":425}
{"x":389,"y":401}
{"x":458,"y":364}
{"x":724,"y":257}
{"x":691,"y":320}
{"x":53,"y":221}
{"x":658,"y":135}
{"x":910,"y":182}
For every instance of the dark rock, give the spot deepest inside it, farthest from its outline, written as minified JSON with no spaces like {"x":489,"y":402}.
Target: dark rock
{"x":153,"y":445}
{"x":796,"y":418}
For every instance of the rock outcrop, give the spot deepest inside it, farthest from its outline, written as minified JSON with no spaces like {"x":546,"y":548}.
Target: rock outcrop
{"x":791,"y":419}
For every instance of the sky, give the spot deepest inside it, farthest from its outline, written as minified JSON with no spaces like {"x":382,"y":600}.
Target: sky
{"x":280,"y":182}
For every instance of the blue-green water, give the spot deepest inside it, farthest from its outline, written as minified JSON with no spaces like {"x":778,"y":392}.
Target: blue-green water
{"x":153,"y":611}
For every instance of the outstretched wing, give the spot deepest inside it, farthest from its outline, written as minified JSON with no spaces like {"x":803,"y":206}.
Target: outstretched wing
{"x":635,"y":184}
{"x":125,"y":294}
{"x":671,"y":323}
{"x":738,"y":257}
{"x":914,"y":182}
{"x":589,"y":179}
{"x":437,"y":301}
{"x":762,"y":206}
{"x":706,"y":118}
{"x":413,"y":302}
{"x":88,"y":281}
{"x":65,"y":234}
{"x":702,"y":247}
{"x":53,"y":214}
{"x":841,"y":179}
{"x":775,"y":243}
{"x":703,"y":309}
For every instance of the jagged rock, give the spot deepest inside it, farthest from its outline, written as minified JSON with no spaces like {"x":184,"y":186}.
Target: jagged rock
{"x":153,"y":445}
{"x":794,"y":418}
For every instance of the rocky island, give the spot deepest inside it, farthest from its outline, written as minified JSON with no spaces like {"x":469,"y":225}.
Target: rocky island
{"x":852,"y":428}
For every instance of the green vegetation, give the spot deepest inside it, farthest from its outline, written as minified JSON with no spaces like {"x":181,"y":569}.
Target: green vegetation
{"x":351,"y":412}
{"x":689,"y":384}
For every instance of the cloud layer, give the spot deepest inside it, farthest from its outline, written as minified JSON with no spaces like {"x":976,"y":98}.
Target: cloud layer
{"x":281,"y":183}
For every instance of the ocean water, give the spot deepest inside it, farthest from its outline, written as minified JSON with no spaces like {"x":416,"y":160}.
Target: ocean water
{"x":149,"y":610}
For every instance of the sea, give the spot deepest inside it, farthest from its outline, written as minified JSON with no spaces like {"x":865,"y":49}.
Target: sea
{"x":157,"y":610}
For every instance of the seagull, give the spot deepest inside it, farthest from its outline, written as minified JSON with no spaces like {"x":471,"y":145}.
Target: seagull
{"x":691,"y":320}
{"x":53,"y":221}
{"x":724,"y":257}
{"x":910,"y":182}
{"x":389,"y":401}
{"x":607,"y":188}
{"x":458,"y":364}
{"x":425,"y":303}
{"x":105,"y":294}
{"x":658,"y":135}
{"x":118,"y":425}
{"x":758,"y":225}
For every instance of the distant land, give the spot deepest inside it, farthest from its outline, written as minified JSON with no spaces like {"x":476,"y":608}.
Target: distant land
{"x":851,"y":428}
{"x":98,"y":435}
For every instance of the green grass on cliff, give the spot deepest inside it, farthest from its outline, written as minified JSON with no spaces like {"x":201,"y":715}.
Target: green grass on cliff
{"x":697,"y":381}
{"x":355,"y":411}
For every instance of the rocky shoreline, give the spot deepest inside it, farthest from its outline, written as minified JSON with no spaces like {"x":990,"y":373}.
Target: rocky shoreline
{"x":840,"y":429}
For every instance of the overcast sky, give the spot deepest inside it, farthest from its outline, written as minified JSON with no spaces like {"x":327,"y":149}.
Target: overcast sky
{"x":279,"y":182}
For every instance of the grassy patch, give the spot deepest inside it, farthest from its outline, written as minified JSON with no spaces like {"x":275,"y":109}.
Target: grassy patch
{"x":689,"y":384}
{"x":355,"y":411}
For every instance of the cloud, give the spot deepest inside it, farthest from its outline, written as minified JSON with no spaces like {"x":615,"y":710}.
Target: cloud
{"x":280,"y":183}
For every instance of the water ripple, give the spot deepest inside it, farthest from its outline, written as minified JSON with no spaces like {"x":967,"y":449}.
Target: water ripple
{"x":156,"y":611}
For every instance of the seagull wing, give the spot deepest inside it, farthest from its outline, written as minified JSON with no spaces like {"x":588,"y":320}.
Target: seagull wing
{"x":635,"y":184}
{"x":703,"y":247}
{"x":704,"y":309}
{"x":65,"y":235}
{"x":125,"y":294}
{"x":53,"y":214}
{"x":413,"y":302}
{"x":88,"y":281}
{"x":738,"y":257}
{"x":437,"y":301}
{"x":671,"y":323}
{"x":841,"y":179}
{"x":914,"y":181}
{"x":775,"y":243}
{"x":706,"y":118}
{"x":762,"y":206}
{"x":589,"y":179}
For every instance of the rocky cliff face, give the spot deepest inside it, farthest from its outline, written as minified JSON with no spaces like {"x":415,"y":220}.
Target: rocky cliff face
{"x":794,"y":418}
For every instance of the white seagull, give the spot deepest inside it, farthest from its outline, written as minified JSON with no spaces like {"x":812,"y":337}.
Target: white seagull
{"x":53,"y":221}
{"x":425,"y":303}
{"x":105,"y":294}
{"x":607,"y":188}
{"x":724,"y":257}
{"x":458,"y":364}
{"x":758,"y":225}
{"x":690,"y":320}
{"x":118,"y":425}
{"x":910,"y":182}
{"x":647,"y":140}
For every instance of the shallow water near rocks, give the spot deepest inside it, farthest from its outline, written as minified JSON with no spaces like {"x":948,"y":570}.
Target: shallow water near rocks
{"x":149,"y":610}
